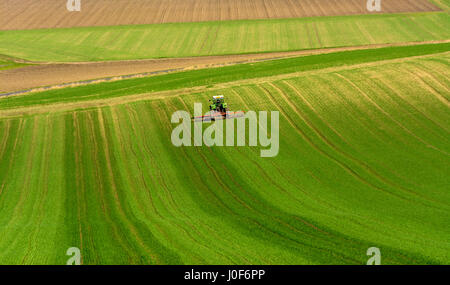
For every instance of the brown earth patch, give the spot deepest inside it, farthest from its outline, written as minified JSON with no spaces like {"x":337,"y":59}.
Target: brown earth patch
{"x":35,"y":14}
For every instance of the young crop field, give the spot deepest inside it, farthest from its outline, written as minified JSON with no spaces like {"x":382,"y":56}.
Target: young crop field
{"x":8,"y":63}
{"x":221,"y":37}
{"x":363,"y":161}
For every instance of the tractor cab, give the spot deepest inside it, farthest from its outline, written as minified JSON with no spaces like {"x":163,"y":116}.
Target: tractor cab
{"x":218,"y":104}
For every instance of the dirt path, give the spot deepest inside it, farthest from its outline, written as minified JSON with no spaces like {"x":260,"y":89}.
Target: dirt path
{"x":49,"y":75}
{"x":35,"y":14}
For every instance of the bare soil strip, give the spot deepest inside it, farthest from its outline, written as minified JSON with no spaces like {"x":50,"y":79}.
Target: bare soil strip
{"x":45,"y":76}
{"x":36,"y":14}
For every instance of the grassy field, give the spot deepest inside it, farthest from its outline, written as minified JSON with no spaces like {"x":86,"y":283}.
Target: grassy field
{"x":443,"y":4}
{"x":364,"y":155}
{"x":224,"y":37}
{"x":8,"y":63}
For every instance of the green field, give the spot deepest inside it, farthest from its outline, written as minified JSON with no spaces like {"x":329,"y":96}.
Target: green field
{"x":8,"y":63}
{"x":443,"y":4}
{"x":363,"y":161}
{"x":224,"y":37}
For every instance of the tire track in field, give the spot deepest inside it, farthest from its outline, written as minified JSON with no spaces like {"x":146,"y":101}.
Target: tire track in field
{"x":279,"y":221}
{"x":384,"y":82}
{"x":145,"y":144}
{"x":206,"y":186}
{"x":369,"y":218}
{"x":5,"y":128}
{"x":176,"y":206}
{"x":349,"y":104}
{"x":82,"y":210}
{"x":119,"y":135}
{"x":248,"y":194}
{"x":18,"y":208}
{"x":214,"y":39}
{"x":365,"y":32}
{"x":94,"y":152}
{"x":317,"y":34}
{"x":374,"y":222}
{"x":107,"y":213}
{"x":389,"y":181}
{"x":338,"y":149}
{"x":314,"y":227}
{"x":421,"y":67}
{"x":224,"y":206}
{"x":110,"y":172}
{"x":378,"y":107}
{"x":187,"y":108}
{"x":221,"y":182}
{"x":79,"y":178}
{"x":311,"y":107}
{"x":132,"y":114}
{"x":42,"y":184}
{"x":343,"y":165}
{"x":287,"y":178}
{"x":207,"y":36}
{"x":420,"y":74}
{"x":19,"y":137}
{"x":282,"y":235}
{"x":422,"y":27}
{"x":13,"y":153}
{"x":298,"y":92}
{"x":281,"y":172}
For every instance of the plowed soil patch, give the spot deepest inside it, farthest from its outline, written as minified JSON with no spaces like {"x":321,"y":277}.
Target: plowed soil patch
{"x":35,"y":14}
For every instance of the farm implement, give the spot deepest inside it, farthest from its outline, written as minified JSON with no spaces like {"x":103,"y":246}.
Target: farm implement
{"x":218,"y":110}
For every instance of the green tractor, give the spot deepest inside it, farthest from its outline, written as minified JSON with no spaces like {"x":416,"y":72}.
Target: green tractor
{"x":218,"y":104}
{"x":218,"y":111}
